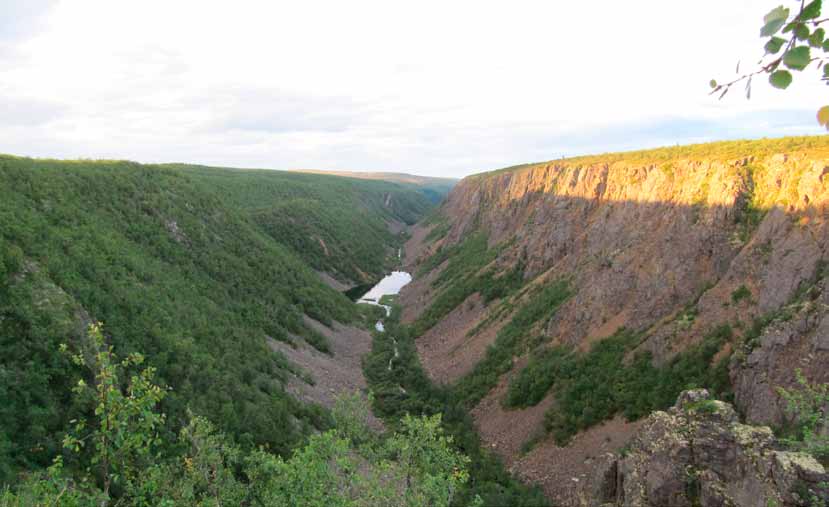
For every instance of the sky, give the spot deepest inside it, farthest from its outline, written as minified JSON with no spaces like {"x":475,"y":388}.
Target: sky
{"x":440,"y":88}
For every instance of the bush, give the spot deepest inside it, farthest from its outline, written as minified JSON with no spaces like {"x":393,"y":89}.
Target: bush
{"x":511,"y":340}
{"x":593,"y":387}
{"x":461,"y":278}
{"x":740,"y":293}
{"x":808,"y":408}
{"x":400,"y":387}
{"x":533,"y":382}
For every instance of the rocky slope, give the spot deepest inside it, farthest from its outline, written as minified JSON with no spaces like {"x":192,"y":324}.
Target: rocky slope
{"x":668,"y":243}
{"x":698,"y":453}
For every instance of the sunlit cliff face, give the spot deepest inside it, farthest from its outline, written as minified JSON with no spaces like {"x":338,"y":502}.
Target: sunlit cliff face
{"x":794,"y":181}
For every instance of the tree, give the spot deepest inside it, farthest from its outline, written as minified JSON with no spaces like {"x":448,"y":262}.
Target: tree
{"x":125,"y":431}
{"x":795,"y":40}
{"x":414,"y":467}
{"x":431,"y":471}
{"x":204,"y":476}
{"x":121,"y":459}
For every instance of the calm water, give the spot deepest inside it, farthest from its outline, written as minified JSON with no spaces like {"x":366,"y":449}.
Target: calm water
{"x":390,"y":285}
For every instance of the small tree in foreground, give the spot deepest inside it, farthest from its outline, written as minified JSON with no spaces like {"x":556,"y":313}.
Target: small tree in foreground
{"x":125,"y":432}
{"x":795,"y":41}
{"x":121,"y":463}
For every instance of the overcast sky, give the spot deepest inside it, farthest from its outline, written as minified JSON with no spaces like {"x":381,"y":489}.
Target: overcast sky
{"x":439,"y":88}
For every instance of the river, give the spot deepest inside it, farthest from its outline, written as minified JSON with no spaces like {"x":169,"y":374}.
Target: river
{"x":390,"y":285}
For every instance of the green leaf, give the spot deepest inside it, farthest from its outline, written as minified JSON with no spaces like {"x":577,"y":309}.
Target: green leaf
{"x":780,"y":79}
{"x":811,"y":11}
{"x":801,"y":31}
{"x":826,"y":71}
{"x":713,"y":83}
{"x":778,"y":12}
{"x":797,"y":58}
{"x":771,"y":28}
{"x":772,"y":21}
{"x":826,"y":45}
{"x":774,"y":44}
{"x":816,"y":39}
{"x":823,"y":116}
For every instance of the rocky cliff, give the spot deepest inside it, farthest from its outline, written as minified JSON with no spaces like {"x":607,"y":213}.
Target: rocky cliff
{"x":697,"y":453}
{"x":670,"y":244}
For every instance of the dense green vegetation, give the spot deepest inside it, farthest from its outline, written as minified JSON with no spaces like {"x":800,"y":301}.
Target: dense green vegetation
{"x":439,"y":223}
{"x":512,"y":340}
{"x":432,"y":188}
{"x":401,"y":386}
{"x":806,"y":407}
{"x":595,"y":386}
{"x":118,"y":457}
{"x":463,"y":276}
{"x":176,"y":263}
{"x":336,"y":224}
{"x":740,"y":293}
{"x":35,"y":316}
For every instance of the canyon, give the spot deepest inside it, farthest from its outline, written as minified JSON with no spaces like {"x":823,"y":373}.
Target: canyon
{"x":673,"y":245}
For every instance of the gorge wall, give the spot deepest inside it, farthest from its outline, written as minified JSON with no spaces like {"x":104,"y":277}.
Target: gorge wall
{"x":673,"y":246}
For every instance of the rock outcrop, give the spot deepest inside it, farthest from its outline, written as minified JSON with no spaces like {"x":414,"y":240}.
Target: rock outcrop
{"x":795,"y":337}
{"x":699,"y":454}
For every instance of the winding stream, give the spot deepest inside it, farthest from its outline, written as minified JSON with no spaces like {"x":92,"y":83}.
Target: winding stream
{"x":390,"y":285}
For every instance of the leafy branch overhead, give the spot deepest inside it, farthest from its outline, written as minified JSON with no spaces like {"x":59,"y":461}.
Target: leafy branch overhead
{"x":796,"y":39}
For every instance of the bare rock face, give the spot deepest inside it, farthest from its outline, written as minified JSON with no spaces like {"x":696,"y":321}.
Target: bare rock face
{"x":699,"y":454}
{"x":670,"y":244}
{"x":641,"y":239}
{"x":797,"y":339}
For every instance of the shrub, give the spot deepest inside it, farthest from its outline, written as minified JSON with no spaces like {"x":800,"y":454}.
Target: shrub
{"x":510,"y":341}
{"x":740,"y":293}
{"x":593,"y":387}
{"x":808,"y":407}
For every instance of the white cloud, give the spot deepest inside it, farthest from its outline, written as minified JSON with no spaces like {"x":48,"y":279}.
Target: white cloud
{"x":431,"y":87}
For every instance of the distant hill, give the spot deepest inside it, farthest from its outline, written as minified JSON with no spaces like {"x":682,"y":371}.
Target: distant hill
{"x":436,"y":189}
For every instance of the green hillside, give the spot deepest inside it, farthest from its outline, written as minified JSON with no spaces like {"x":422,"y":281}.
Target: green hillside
{"x":335,"y":224}
{"x":193,"y":267}
{"x":435,"y":189}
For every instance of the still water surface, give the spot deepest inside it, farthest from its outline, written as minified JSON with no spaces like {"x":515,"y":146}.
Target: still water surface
{"x":390,"y":285}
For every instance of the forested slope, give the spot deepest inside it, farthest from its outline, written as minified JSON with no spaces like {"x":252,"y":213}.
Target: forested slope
{"x":337,"y":224}
{"x":435,"y":189}
{"x":192,"y":267}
